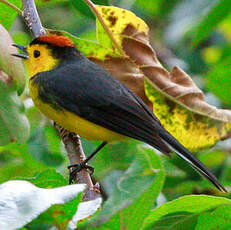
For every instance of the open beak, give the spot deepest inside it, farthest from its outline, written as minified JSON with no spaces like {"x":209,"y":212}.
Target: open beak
{"x":23,"y":49}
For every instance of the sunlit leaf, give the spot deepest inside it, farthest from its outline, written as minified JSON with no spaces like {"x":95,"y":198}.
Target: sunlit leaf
{"x":220,"y":218}
{"x":182,"y":213}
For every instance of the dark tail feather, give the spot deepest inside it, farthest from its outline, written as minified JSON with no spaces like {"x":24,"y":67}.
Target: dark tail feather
{"x":187,"y":156}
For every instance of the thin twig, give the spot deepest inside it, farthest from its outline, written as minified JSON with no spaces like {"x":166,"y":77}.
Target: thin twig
{"x":71,"y":141}
{"x":97,"y":14}
{"x":12,"y":6}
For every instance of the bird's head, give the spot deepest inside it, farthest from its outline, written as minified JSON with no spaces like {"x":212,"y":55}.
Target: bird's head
{"x":45,"y":52}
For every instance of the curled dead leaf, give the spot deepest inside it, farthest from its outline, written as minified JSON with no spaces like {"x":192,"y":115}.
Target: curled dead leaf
{"x":177,"y":101}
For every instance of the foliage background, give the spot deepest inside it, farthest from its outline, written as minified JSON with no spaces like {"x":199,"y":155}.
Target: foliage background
{"x":192,"y":34}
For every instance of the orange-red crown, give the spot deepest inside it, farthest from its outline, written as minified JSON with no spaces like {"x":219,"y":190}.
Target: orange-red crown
{"x":56,"y":40}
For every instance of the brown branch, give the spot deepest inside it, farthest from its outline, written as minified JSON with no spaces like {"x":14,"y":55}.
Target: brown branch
{"x":75,"y":153}
{"x":71,"y":141}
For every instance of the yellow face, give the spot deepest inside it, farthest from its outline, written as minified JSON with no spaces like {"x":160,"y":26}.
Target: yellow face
{"x":40,"y":59}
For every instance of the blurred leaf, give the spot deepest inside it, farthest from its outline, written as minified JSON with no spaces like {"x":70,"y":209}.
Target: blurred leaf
{"x":38,"y":147}
{"x":172,"y":170}
{"x":212,"y":54}
{"x":182,"y":212}
{"x":167,"y":6}
{"x":11,"y":66}
{"x":219,"y":81}
{"x":139,"y":185}
{"x":82,"y":7}
{"x":225,"y":28}
{"x":17,"y":162}
{"x":183,"y":19}
{"x":21,"y":202}
{"x":7,"y":14}
{"x":14,"y":125}
{"x":49,"y":2}
{"x":213,"y":159}
{"x":218,"y":13}
{"x":152,"y":7}
{"x":117,"y":156}
{"x":35,"y":117}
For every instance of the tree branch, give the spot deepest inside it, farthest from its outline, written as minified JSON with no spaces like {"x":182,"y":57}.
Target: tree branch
{"x":71,"y":141}
{"x":32,"y":19}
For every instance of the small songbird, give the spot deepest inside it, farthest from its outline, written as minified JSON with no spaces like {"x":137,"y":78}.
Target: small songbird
{"x":84,"y":98}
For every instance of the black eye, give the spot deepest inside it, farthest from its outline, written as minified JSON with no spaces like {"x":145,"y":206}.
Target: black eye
{"x":36,"y":53}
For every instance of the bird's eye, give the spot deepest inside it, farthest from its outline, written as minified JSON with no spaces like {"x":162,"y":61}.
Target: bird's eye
{"x":36,"y":53}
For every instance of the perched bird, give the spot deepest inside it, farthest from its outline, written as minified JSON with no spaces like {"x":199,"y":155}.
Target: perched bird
{"x":84,"y":98}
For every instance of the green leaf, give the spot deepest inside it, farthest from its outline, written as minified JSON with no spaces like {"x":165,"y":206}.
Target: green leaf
{"x":181,"y":210}
{"x":218,"y":13}
{"x":220,"y":218}
{"x":48,"y":179}
{"x":219,"y":81}
{"x":82,"y":7}
{"x":213,"y":159}
{"x":137,"y":188}
{"x":38,"y":146}
{"x":134,"y":215}
{"x":14,"y":125}
{"x":7,"y":14}
{"x":49,"y":2}
{"x":16,"y":162}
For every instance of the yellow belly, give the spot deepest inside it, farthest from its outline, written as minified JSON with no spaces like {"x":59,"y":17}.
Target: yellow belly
{"x":74,"y":123}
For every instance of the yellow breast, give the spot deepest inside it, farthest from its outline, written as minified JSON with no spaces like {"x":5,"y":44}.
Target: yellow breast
{"x":72,"y":122}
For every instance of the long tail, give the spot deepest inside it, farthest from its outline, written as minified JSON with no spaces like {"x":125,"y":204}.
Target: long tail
{"x":187,"y":156}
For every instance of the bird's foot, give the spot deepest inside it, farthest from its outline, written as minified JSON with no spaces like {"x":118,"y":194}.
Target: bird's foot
{"x":75,"y":168}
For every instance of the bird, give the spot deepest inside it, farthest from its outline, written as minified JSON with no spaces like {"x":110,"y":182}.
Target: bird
{"x":84,"y":98}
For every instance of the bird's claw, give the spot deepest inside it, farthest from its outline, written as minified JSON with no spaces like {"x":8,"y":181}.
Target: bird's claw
{"x":75,"y":168}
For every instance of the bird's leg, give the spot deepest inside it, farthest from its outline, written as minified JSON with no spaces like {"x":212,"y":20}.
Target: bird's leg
{"x":83,"y":165}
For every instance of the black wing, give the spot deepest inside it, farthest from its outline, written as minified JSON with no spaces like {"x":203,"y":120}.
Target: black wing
{"x":89,"y":91}
{"x":92,"y":93}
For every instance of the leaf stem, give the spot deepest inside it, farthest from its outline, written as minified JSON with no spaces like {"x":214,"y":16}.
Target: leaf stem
{"x":97,"y":14}
{"x":12,"y":6}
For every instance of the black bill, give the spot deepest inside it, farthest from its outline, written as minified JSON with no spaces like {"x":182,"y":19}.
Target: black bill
{"x":23,"y":49}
